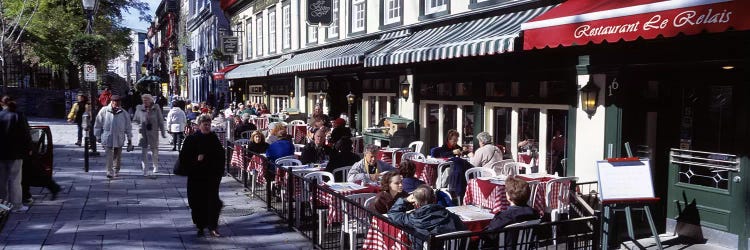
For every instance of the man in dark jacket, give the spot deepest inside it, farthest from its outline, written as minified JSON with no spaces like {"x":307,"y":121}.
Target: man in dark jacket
{"x":16,"y":143}
{"x":339,"y":130}
{"x":428,"y":218}
{"x":517,"y":192}
{"x":317,"y":151}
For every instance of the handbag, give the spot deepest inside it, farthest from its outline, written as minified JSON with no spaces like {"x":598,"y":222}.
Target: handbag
{"x":178,"y":169}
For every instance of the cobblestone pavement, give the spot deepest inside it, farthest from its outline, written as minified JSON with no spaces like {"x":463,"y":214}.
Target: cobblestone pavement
{"x":134,"y":212}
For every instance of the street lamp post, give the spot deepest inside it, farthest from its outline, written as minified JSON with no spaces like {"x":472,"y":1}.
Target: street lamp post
{"x":350,"y":100}
{"x":89,"y":142}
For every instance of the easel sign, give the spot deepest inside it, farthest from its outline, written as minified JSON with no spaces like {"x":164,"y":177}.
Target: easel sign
{"x":624,"y":179}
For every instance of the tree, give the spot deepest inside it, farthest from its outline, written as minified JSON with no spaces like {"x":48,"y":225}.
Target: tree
{"x":57,"y":23}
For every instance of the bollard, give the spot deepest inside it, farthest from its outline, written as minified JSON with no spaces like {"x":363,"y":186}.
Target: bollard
{"x":85,"y":125}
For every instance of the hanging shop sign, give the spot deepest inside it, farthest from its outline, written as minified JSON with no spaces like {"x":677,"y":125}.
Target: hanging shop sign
{"x":319,"y":12}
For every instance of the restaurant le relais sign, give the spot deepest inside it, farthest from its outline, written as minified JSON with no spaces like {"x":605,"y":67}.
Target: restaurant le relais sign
{"x":614,"y":21}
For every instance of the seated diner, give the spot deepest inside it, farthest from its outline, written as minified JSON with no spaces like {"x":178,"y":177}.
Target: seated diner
{"x":391,"y":188}
{"x":368,"y":170}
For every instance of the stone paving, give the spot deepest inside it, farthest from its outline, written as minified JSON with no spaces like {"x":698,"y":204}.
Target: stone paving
{"x":134,"y":212}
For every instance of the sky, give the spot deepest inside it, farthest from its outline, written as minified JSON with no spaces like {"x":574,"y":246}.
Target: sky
{"x":130,"y":20}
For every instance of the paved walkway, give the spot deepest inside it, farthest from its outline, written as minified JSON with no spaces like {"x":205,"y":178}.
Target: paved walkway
{"x":133,"y":212}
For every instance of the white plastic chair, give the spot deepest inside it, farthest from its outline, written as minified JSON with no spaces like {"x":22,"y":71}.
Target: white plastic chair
{"x":558,"y":188}
{"x":298,"y":148}
{"x":246,"y":134}
{"x":416,"y":145}
{"x":318,"y":176}
{"x":412,"y":156}
{"x":353,"y":226}
{"x":504,"y":167}
{"x":344,"y":172}
{"x":526,"y":237}
{"x":394,"y":156}
{"x":478,"y":172}
{"x":297,"y":122}
{"x":534,"y":186}
{"x":287,"y":161}
{"x":453,"y":244}
{"x":369,"y":201}
{"x":442,"y":176}
{"x":242,"y":142}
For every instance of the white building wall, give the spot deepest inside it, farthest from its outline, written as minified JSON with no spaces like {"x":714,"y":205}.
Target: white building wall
{"x":589,"y":142}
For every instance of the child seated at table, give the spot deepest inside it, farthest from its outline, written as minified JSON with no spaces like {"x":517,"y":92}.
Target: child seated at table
{"x":427,"y":217}
{"x":407,"y":170}
{"x":391,"y":189}
{"x":517,"y":191}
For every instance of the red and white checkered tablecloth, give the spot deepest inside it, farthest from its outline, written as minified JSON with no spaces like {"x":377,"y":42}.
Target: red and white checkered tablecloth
{"x":238,"y":161}
{"x":256,"y":163}
{"x":426,"y":171}
{"x":383,"y":235}
{"x":334,"y":210}
{"x":261,"y":123}
{"x":541,"y":192}
{"x":299,"y":133}
{"x":492,"y":196}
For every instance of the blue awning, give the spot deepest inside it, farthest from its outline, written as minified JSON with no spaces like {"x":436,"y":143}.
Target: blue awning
{"x":486,"y":36}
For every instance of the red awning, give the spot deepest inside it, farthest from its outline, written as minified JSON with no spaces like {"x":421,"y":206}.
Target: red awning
{"x":578,"y":22}
{"x":219,"y":75}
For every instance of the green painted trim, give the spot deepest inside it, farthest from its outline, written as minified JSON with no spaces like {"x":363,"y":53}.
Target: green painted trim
{"x":702,"y":188}
{"x":612,"y":130}
{"x":570,"y":166}
{"x":478,"y":126}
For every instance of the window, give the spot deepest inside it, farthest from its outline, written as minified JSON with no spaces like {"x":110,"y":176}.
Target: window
{"x":333,"y":29}
{"x":359,"y":15}
{"x":377,"y":106}
{"x":435,"y":6}
{"x":249,"y":34}
{"x":392,"y":11}
{"x":278,"y":103}
{"x":238,"y":34}
{"x":312,"y":33}
{"x":286,"y":23}
{"x":272,"y":30}
{"x":259,"y":34}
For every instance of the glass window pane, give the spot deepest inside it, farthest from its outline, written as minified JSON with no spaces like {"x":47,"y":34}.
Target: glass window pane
{"x":383,"y":106}
{"x":468,"y":130}
{"x":528,"y":135}
{"x":501,"y":131}
{"x":431,"y":137}
{"x":450,"y":121}
{"x":372,"y":102}
{"x":557,"y":131}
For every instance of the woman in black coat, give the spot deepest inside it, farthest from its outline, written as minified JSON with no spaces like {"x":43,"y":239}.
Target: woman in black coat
{"x":203,"y":158}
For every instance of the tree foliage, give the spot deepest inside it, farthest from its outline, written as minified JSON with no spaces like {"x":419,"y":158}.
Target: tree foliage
{"x":49,"y":37}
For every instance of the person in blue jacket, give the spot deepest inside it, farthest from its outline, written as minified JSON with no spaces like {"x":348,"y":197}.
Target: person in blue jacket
{"x":280,"y":148}
{"x":517,"y":191}
{"x":427,"y":218}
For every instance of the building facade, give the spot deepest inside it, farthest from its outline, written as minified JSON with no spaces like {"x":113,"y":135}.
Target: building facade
{"x":128,"y":65}
{"x":205,"y":24}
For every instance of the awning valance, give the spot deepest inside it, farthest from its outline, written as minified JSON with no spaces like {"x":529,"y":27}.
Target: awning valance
{"x":254,"y":69}
{"x":578,"y":22}
{"x":219,"y":75}
{"x":487,"y":36}
{"x":348,"y":54}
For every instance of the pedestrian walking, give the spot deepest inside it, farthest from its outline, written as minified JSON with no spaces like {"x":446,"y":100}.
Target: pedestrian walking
{"x":16,"y":144}
{"x":76,"y":114}
{"x":151,"y":121}
{"x":111,"y":128}
{"x":203,"y":157}
{"x":176,"y":121}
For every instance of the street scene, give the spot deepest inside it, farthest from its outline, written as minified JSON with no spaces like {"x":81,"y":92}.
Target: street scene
{"x":374,"y":124}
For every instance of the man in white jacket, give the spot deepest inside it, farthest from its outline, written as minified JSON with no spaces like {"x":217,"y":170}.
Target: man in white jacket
{"x":176,"y":121}
{"x":111,"y":128}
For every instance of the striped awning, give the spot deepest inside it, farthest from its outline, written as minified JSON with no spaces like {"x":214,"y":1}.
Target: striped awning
{"x":348,"y":54}
{"x":253,"y":69}
{"x":486,"y":36}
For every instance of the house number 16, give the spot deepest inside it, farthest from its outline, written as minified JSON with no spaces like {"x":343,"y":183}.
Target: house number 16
{"x":613,"y":86}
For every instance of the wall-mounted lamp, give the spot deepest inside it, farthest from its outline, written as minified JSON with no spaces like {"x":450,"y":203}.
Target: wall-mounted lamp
{"x":589,"y":97}
{"x":321,"y":96}
{"x":350,"y":98}
{"x":265,"y":93}
{"x":291,"y":94}
{"x":404,"y":89}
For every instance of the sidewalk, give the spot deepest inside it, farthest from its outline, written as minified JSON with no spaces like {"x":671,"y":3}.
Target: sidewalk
{"x":131,"y":211}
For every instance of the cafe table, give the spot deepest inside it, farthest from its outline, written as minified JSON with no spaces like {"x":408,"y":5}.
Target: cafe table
{"x":384,"y":235}
{"x":344,"y":189}
{"x":426,"y":169}
{"x":489,"y":193}
{"x":386,"y":155}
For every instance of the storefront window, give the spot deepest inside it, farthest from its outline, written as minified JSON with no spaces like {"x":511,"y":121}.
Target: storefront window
{"x":498,"y":89}
{"x":557,"y":134}
{"x":442,"y":116}
{"x":501,"y":130}
{"x":528,"y":135}
{"x":278,"y":103}
{"x":445,"y":89}
{"x":378,"y":106}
